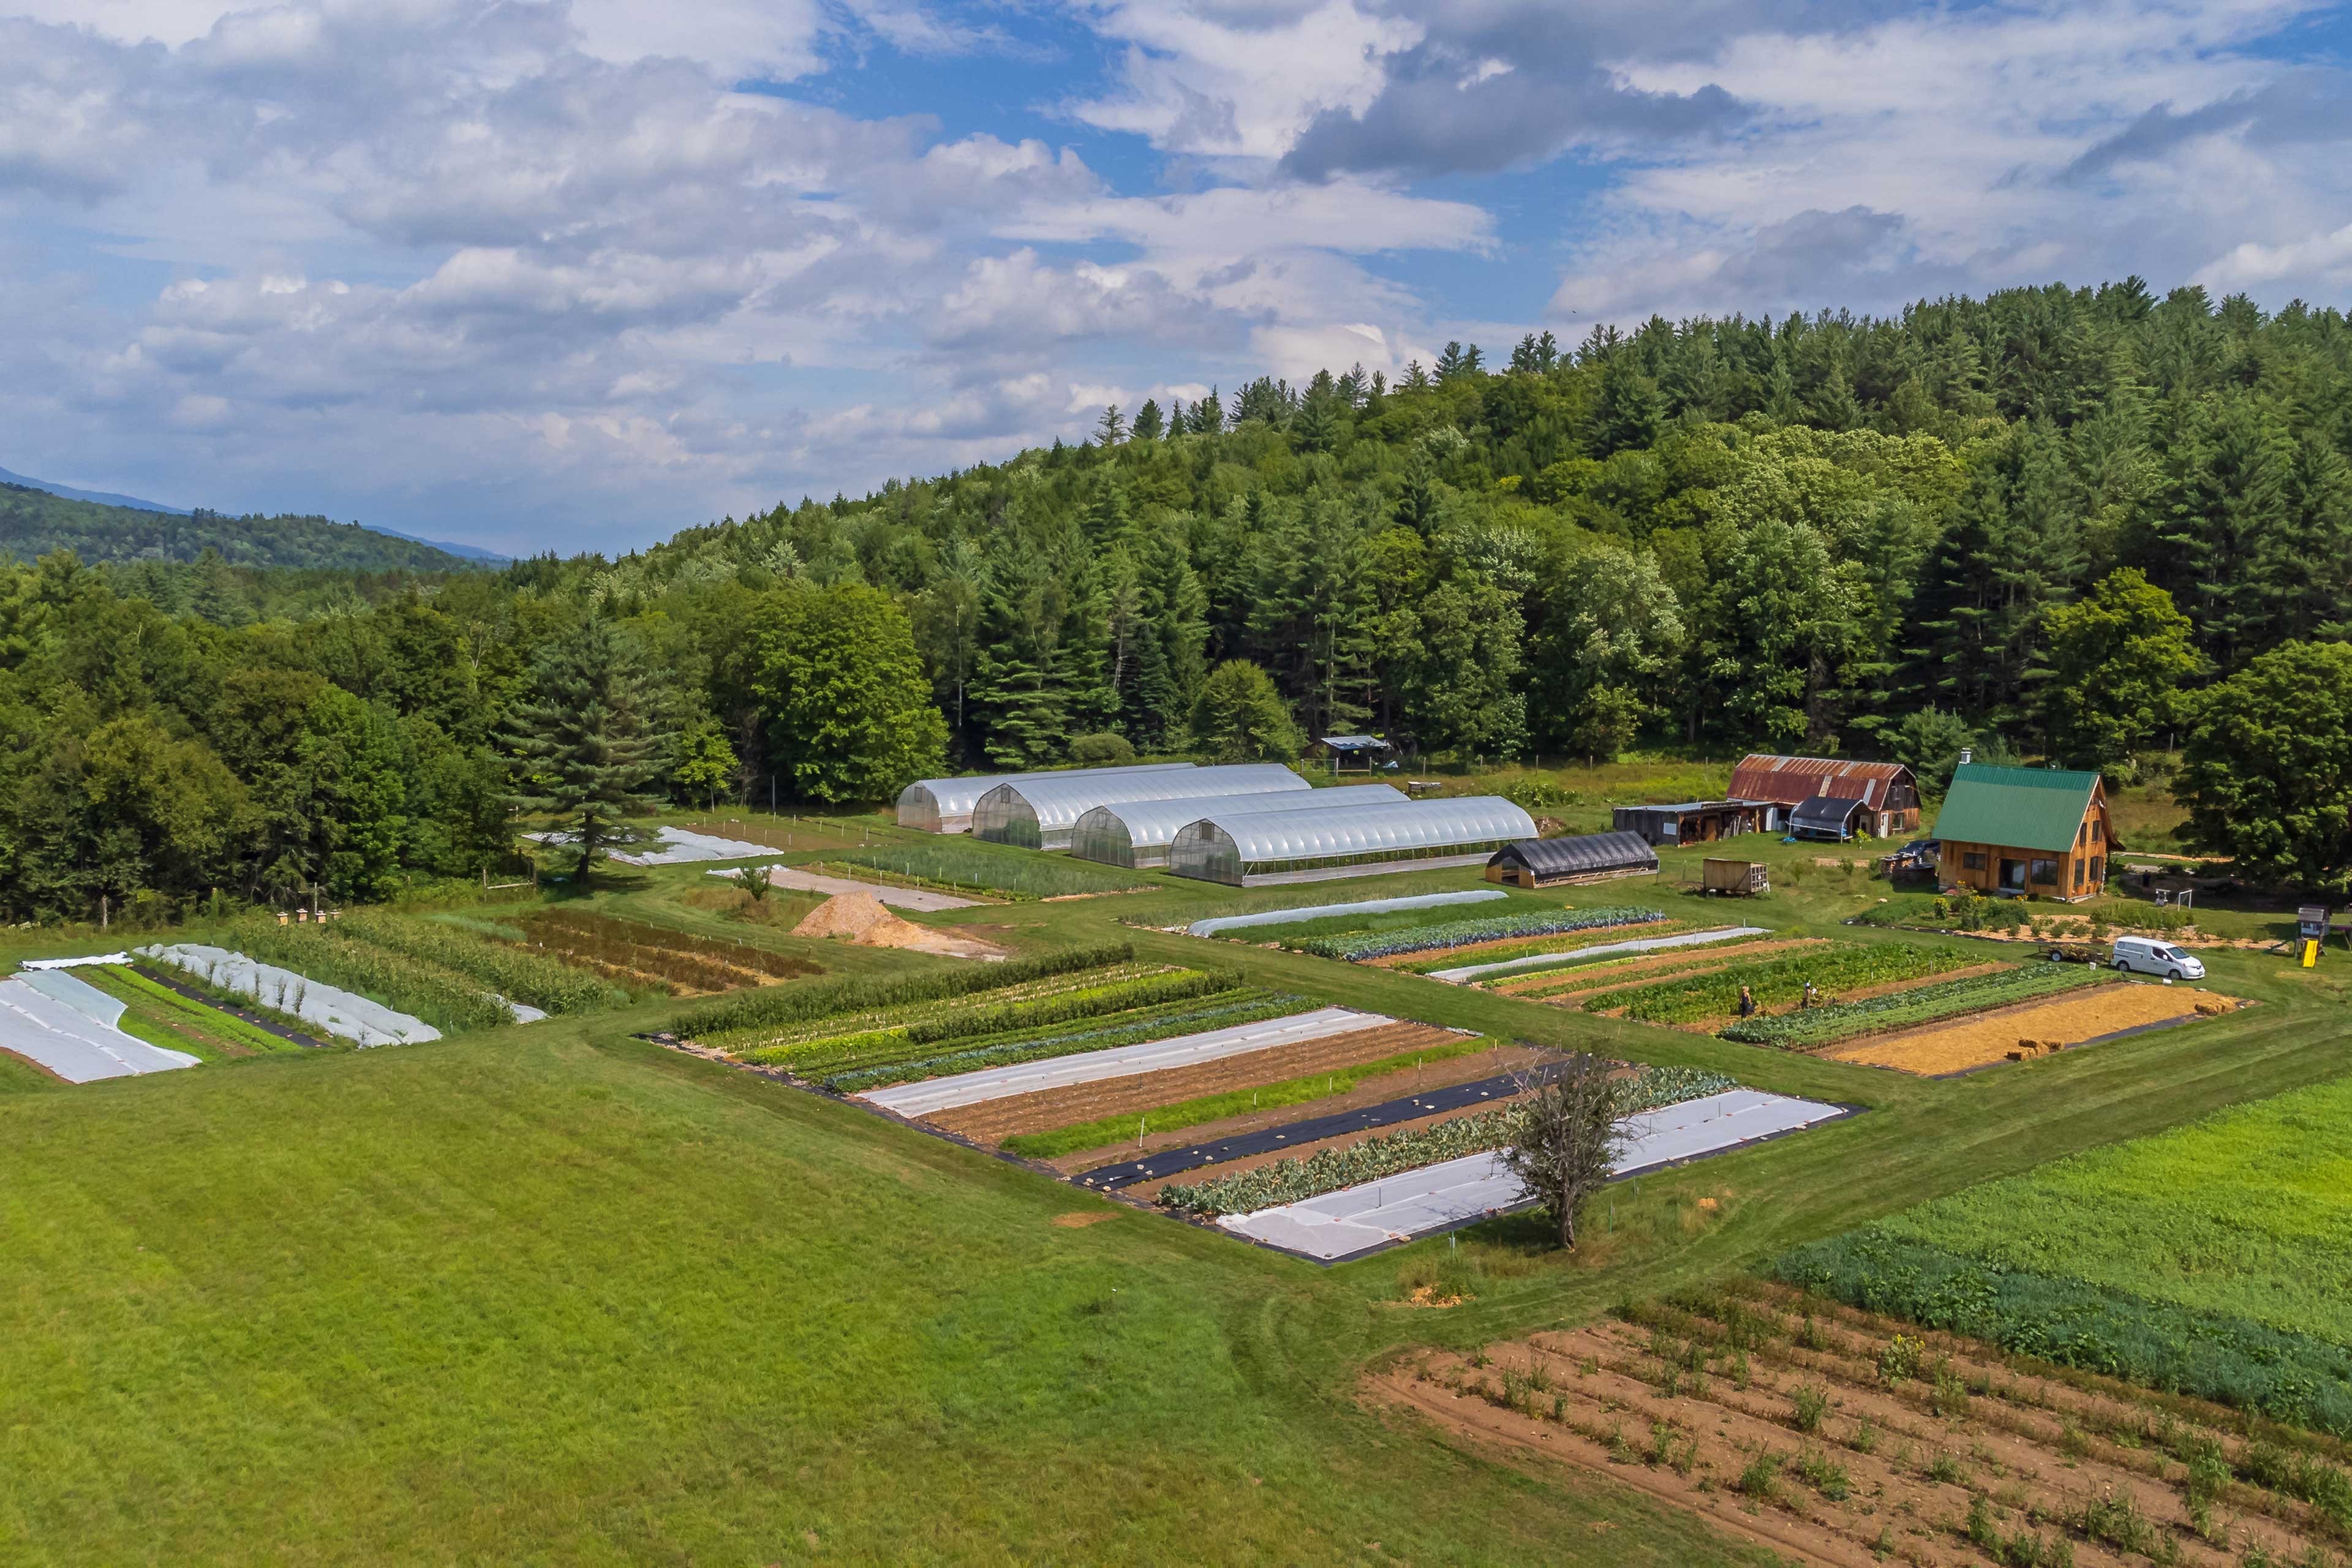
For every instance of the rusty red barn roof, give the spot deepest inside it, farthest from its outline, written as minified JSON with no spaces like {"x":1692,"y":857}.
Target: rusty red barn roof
{"x":1788,"y":780}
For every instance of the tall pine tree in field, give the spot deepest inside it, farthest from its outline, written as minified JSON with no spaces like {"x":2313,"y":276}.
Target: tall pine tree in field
{"x":586,"y":737}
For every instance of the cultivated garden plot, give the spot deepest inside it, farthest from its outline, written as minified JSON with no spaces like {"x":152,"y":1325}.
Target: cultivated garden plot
{"x":2215,"y":1259}
{"x":1843,"y":1438}
{"x":345,"y":1015}
{"x":72,"y":1030}
{"x":994,"y":871}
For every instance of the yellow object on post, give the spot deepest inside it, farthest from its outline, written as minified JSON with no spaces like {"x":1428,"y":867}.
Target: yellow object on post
{"x":2310,"y":954}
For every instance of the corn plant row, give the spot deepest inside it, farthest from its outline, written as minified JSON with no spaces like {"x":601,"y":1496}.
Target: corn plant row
{"x":1778,"y":980}
{"x":1387,"y":1153}
{"x":872,"y":1048}
{"x":512,"y":972}
{"x":1107,"y":1038}
{"x":1972,"y":993}
{"x":800,"y":1003}
{"x":442,"y":998}
{"x":1355,"y":947}
{"x":638,"y":934}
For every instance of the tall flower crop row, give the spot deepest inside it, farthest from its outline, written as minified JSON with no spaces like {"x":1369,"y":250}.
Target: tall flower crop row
{"x":881,"y":1048}
{"x":1389,"y":1154}
{"x":1358,"y":946}
{"x":439,"y":995}
{"x":1946,"y":999}
{"x":892,"y":1019}
{"x":1248,"y":1008}
{"x":1778,"y":980}
{"x":798,"y":1003}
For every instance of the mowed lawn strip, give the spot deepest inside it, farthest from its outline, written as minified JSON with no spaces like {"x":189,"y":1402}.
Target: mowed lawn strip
{"x":1215,"y":1107}
{"x":2247,"y":1213}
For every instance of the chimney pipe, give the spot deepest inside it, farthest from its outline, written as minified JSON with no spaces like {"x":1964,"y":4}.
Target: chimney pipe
{"x":1967,"y":754}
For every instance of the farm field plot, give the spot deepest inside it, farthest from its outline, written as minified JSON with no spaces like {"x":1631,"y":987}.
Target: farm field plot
{"x":2076,"y":1015}
{"x":1426,"y":940}
{"x":799,"y":835}
{"x":1606,"y":973}
{"x":1673,"y":937}
{"x":161,"y":1016}
{"x":1845,"y":1438}
{"x":71,"y":1031}
{"x":1835,"y":970}
{"x":2216,"y":1258}
{"x":349,"y":1015}
{"x":957,"y":865}
{"x":640,"y":956}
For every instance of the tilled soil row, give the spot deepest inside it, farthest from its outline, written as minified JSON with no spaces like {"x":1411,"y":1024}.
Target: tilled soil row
{"x":1816,"y":1453}
{"x":1570,"y":942}
{"x":992,"y":1120}
{"x":1397,"y":1085}
{"x":1674,"y":964}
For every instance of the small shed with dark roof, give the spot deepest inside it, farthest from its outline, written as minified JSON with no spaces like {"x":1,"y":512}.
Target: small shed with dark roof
{"x":1589,"y":857}
{"x":1835,"y":818}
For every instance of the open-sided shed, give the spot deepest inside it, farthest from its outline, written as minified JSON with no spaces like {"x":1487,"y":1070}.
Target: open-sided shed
{"x":945,"y":806}
{"x":1835,"y":818}
{"x":1136,"y":833}
{"x":1587,"y":857}
{"x":1040,"y":813}
{"x":1240,"y":848}
{"x":1689,"y":821}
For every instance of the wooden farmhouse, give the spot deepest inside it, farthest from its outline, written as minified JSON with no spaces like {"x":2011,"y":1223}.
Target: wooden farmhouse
{"x":2025,"y":831}
{"x":1888,"y":794}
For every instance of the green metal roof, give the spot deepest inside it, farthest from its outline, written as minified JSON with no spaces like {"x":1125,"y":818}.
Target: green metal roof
{"x":2024,"y":808}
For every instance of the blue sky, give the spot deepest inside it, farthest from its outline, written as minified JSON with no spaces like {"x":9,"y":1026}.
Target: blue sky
{"x":539,"y":274}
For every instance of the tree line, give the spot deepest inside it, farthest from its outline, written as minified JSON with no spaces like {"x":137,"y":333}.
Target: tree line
{"x":2082,"y":524}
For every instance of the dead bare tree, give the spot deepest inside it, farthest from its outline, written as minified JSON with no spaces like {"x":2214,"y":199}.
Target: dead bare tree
{"x":1567,"y":1135}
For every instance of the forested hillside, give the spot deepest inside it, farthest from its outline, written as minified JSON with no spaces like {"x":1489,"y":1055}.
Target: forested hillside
{"x":34,"y":523}
{"x":2055,"y":521}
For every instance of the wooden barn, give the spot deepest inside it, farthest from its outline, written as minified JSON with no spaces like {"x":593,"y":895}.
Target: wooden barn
{"x":1890,"y":796}
{"x":2025,"y":831}
{"x":1589,"y":857}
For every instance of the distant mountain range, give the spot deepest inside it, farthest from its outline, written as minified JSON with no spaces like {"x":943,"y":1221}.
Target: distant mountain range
{"x":132,"y":503}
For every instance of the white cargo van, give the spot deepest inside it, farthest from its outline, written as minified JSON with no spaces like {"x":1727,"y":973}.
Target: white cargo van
{"x":2147,"y":955}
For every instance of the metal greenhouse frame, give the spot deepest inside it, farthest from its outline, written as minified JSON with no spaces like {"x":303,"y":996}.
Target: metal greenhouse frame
{"x":1039,"y":812}
{"x":1245,"y":848}
{"x":1136,"y":834}
{"x":945,"y":806}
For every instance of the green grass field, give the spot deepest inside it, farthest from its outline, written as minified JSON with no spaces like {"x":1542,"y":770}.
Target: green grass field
{"x":550,"y":1294}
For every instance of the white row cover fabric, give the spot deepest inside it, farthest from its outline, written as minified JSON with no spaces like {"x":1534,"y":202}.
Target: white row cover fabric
{"x":68,"y":1027}
{"x":1647,"y":944}
{"x":1123,"y":1061}
{"x":671,"y":847}
{"x":1325,"y":911}
{"x":1224,"y":847}
{"x":94,"y":960}
{"x":341,"y":1014}
{"x":1040,"y":813}
{"x":1136,"y":833}
{"x":945,"y":806}
{"x":1415,"y":1203}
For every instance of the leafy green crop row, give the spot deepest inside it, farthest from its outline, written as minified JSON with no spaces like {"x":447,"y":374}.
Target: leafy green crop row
{"x":1146,"y":992}
{"x":1588,"y":971}
{"x":1777,"y":979}
{"x":1946,"y":999}
{"x":2291,"y":1376}
{"x":166,"y":1010}
{"x":872,"y":1047}
{"x":1248,"y":1008}
{"x":1355,"y":947}
{"x":1386,"y":1154}
{"x":1566,"y":946}
{"x":515,"y":973}
{"x":800,"y":1003}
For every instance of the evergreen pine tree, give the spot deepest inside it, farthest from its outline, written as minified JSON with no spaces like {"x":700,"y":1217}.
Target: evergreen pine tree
{"x":587,"y":742}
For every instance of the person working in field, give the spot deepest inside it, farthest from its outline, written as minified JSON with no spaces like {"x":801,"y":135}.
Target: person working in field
{"x":1746,"y":1003}
{"x":1813,"y":994}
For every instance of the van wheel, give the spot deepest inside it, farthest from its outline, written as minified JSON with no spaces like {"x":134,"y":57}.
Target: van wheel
{"x":2174,"y":975}
{"x":2121,"y":967}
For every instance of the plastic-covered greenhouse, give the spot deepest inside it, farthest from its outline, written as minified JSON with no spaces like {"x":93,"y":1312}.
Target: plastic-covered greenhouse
{"x":945,"y":806}
{"x":1039,"y":812}
{"x":1136,"y":833}
{"x":1242,"y":847}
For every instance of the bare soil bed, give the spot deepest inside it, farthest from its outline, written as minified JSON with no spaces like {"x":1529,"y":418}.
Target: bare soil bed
{"x":1814,"y":1430}
{"x":1378,"y":1091}
{"x":1991,"y":1036}
{"x":992,"y":1120}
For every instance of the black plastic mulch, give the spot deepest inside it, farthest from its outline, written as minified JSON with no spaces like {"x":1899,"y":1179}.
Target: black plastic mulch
{"x":1241,"y":1145}
{"x":217,"y":1005}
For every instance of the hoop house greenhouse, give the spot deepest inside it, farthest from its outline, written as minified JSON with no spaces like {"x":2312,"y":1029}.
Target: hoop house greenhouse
{"x":1245,"y":848}
{"x":1040,"y":811}
{"x":1136,"y":833}
{"x":945,"y":806}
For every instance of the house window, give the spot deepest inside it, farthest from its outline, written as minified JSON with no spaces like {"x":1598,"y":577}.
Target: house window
{"x":1971,"y":860}
{"x":2098,"y":830}
{"x":2098,"y":872}
{"x":2045,"y":873}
